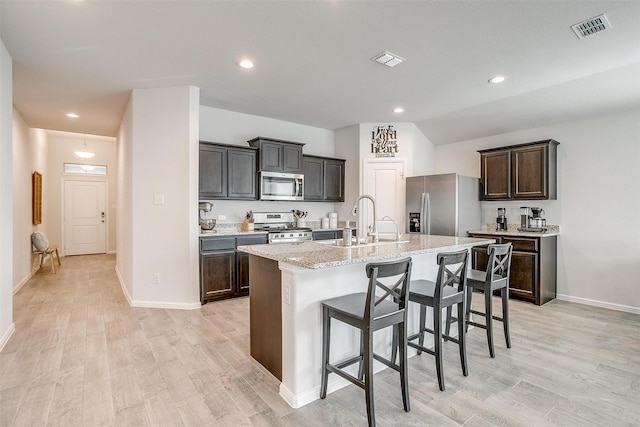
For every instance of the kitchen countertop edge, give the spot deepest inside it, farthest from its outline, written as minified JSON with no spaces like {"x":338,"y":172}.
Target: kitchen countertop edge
{"x":314,"y":255}
{"x":509,"y":233}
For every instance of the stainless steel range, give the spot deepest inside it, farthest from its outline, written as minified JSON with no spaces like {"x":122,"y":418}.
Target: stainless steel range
{"x":281,"y":227}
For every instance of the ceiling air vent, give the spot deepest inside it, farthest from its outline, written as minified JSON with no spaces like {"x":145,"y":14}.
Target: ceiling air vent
{"x":387,"y":58}
{"x":591,"y":26}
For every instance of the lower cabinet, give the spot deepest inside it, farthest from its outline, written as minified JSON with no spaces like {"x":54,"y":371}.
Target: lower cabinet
{"x":218,"y":278}
{"x":533,"y":266}
{"x":224,"y":271}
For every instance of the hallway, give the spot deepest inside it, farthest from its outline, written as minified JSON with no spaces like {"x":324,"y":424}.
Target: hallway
{"x":81,"y":356}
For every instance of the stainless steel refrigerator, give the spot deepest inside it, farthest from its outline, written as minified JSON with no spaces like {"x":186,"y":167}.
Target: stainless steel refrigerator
{"x":446,"y":205}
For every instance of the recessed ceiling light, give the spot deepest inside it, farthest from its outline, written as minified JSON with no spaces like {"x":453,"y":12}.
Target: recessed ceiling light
{"x":245,"y":63}
{"x":398,"y":110}
{"x":73,"y":115}
{"x":497,"y":79}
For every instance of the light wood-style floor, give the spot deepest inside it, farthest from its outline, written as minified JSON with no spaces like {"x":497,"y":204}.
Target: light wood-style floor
{"x":81,"y":356}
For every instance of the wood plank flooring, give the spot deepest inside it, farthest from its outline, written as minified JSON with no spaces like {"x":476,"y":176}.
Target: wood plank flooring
{"x":80,"y":356}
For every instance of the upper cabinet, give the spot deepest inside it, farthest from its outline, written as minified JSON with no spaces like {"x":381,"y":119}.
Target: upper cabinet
{"x":277,"y":155}
{"x":227,"y":172}
{"x":519,"y":172}
{"x":323,"y":179}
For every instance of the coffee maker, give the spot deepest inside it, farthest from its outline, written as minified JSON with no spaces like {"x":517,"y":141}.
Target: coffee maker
{"x":536,"y":221}
{"x":501,"y":220}
{"x":531,"y":219}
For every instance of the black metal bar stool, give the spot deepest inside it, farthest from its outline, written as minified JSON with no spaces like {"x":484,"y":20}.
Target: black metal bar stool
{"x":370,"y":312}
{"x":447,"y":290}
{"x":496,"y":277}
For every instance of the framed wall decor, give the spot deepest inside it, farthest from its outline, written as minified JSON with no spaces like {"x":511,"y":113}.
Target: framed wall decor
{"x":36,"y":197}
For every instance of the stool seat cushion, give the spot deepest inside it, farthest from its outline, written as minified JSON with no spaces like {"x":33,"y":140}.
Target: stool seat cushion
{"x":40,"y":241}
{"x":353,"y":305}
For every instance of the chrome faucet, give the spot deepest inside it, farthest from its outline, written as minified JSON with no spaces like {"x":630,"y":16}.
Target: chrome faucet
{"x":373,"y":231}
{"x":388,"y":218}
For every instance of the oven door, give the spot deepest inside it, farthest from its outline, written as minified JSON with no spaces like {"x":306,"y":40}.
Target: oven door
{"x":281,"y":186}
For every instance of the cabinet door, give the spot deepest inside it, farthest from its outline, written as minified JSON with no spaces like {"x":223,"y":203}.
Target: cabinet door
{"x":242,"y":270}
{"x":334,"y":180}
{"x":217,"y":278}
{"x":495,"y":172}
{"x":242,"y":174}
{"x":530,"y":172}
{"x":523,"y":280}
{"x":242,"y":261}
{"x":313,"y":178}
{"x":271,"y":156}
{"x":213,"y":172}
{"x":292,"y":158}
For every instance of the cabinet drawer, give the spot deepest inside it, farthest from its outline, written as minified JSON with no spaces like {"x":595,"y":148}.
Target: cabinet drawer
{"x":252,"y":240}
{"x":522,"y":244}
{"x":217,"y":244}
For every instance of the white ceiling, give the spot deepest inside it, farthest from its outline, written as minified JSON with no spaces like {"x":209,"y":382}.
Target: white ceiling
{"x":313,"y":61}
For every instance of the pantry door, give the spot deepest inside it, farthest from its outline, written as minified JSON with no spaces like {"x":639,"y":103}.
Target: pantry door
{"x":84,"y":217}
{"x":384,"y":180}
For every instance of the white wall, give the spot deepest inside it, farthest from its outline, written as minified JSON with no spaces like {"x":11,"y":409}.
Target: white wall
{"x":124,"y":232}
{"x":597,"y":206}
{"x":228,"y":127}
{"x":164,"y":153}
{"x":347,"y":141}
{"x":6,"y":195}
{"x":27,"y":157}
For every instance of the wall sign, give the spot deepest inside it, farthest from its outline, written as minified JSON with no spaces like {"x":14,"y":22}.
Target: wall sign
{"x":384,"y":142}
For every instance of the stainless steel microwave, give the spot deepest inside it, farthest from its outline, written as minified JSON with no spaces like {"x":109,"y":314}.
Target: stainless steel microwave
{"x":281,"y":186}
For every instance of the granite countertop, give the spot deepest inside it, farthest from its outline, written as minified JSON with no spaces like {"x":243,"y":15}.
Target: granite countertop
{"x":512,"y":231}
{"x":316,"y":255}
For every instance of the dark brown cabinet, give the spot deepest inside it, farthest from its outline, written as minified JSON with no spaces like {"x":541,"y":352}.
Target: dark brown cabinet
{"x":277,"y":155}
{"x":213,"y":172}
{"x":533,"y":266}
{"x":323,"y":179}
{"x":227,"y":172}
{"x":224,"y":271}
{"x":519,"y":172}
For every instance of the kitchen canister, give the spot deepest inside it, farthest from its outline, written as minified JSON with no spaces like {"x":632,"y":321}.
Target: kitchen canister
{"x":324,"y":222}
{"x":333,"y":220}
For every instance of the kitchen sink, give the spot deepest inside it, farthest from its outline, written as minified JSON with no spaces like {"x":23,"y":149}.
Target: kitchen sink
{"x":340,"y":243}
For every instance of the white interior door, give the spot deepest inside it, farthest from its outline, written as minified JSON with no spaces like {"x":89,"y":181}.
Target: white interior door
{"x":84,"y":217}
{"x":384,"y":180}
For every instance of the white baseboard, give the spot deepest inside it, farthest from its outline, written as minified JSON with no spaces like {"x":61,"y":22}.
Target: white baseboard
{"x":602,"y":304}
{"x":155,"y":304}
{"x":169,"y":305}
{"x":7,"y":335}
{"x":22,"y":283}
{"x":123,"y":287}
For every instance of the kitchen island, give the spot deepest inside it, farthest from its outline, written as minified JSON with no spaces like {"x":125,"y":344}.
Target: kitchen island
{"x":290,"y":281}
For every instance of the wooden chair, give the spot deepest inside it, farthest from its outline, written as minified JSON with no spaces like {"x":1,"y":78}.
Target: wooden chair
{"x":370,"y":312}
{"x":42,"y":248}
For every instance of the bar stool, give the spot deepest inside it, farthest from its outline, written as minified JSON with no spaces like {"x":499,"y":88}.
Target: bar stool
{"x":447,"y":290}
{"x":370,"y":312}
{"x":495,"y":277}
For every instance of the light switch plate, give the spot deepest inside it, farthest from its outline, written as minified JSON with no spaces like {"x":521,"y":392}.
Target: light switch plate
{"x":158,"y":199}
{"x":222,"y":217}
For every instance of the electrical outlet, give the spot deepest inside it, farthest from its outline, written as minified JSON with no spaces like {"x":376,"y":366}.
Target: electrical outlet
{"x":222,"y":217}
{"x":156,"y":278}
{"x":285,"y":295}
